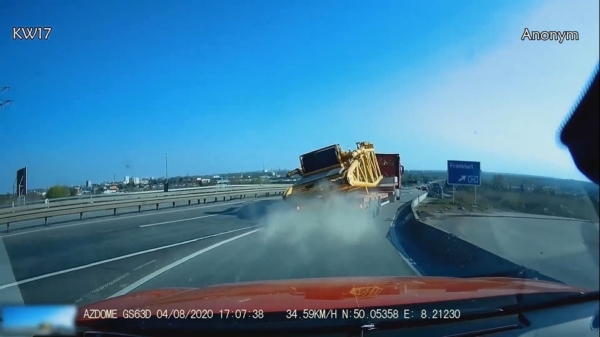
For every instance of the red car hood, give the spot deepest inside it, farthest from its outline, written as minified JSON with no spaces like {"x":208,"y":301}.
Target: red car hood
{"x":325,"y":293}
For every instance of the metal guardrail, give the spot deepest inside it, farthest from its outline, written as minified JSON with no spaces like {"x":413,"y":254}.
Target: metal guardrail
{"x":111,"y":195}
{"x":136,"y":196}
{"x":158,"y":191}
{"x":155,"y":199}
{"x":81,"y":209}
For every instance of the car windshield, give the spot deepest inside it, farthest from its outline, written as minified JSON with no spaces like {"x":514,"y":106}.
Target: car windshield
{"x":152,"y":145}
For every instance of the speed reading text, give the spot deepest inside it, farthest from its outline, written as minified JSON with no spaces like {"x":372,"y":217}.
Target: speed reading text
{"x":345,"y":314}
{"x":375,"y":314}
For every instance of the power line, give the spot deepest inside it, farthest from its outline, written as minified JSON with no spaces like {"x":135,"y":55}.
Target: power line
{"x":6,"y":102}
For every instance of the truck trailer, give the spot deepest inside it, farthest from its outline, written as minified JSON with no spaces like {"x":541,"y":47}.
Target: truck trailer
{"x":392,"y":171}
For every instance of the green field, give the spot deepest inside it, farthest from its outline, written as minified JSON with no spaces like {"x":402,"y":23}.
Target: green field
{"x":536,"y":202}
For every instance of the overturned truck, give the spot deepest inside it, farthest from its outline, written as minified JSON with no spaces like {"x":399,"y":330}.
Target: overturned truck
{"x":361,"y":177}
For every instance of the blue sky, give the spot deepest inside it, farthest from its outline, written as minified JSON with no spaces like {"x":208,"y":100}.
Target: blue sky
{"x":227,"y":85}
{"x":28,"y":317}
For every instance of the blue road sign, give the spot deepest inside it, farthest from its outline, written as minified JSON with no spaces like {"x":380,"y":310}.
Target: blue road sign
{"x":464,"y":173}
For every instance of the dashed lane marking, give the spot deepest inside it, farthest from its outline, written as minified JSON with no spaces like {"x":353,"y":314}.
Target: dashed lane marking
{"x":60,"y":272}
{"x":180,"y":220}
{"x":113,"y":218}
{"x":110,"y":283}
{"x":177,"y":263}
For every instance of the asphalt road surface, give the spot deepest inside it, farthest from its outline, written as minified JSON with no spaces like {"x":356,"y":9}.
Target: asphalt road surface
{"x":564,"y":249}
{"x":85,"y":261}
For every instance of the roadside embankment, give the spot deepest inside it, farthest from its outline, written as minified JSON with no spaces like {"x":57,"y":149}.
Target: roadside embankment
{"x":561,"y":248}
{"x":435,"y":252}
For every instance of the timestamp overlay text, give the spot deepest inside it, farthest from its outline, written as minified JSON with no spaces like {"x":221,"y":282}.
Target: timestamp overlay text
{"x":292,"y":314}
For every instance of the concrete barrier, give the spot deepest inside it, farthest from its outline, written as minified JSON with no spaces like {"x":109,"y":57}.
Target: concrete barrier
{"x":433,"y":252}
{"x":416,"y":201}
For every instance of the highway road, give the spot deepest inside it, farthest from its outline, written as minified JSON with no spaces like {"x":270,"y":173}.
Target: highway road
{"x":244,"y":240}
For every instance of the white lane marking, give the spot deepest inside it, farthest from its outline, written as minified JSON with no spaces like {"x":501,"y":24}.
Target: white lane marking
{"x":142,"y":266}
{"x":11,"y":296}
{"x":385,"y":203}
{"x":190,"y":208}
{"x":408,"y":261}
{"x":410,"y":264}
{"x":108,"y":284}
{"x":60,"y":272}
{"x":180,"y":220}
{"x":143,"y":280}
{"x":102,"y":287}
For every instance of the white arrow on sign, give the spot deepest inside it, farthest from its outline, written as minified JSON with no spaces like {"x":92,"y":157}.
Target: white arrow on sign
{"x":462,"y":178}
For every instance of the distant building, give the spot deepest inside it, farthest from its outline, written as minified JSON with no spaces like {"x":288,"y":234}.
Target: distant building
{"x":126,"y":180}
{"x":88,"y":183}
{"x":223,"y":182}
{"x":136,"y":181}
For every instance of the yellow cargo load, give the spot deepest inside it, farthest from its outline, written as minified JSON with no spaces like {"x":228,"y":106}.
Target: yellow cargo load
{"x":333,"y":170}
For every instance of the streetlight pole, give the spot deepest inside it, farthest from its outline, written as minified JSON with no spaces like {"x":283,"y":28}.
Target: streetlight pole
{"x":166,"y":189}
{"x":14,"y":193}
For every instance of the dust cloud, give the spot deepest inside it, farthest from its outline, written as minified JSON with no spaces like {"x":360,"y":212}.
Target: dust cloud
{"x":331,"y":224}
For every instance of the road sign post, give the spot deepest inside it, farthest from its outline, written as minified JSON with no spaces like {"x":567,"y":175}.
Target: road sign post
{"x":464,"y":173}
{"x":453,"y":189}
{"x":21,"y":183}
